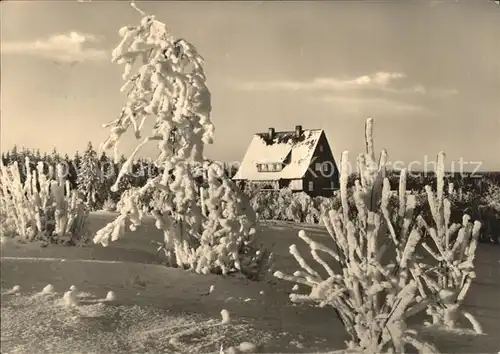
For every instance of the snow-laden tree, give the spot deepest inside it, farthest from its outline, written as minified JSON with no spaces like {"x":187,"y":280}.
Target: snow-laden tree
{"x":107,"y":172}
{"x":37,"y":155}
{"x":89,"y":177}
{"x":14,"y":155}
{"x":207,"y":222}
{"x":372,"y":281}
{"x":73,"y":168}
{"x":55,"y":157}
{"x":77,"y":159}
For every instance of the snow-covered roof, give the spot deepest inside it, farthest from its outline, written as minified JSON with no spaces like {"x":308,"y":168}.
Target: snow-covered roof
{"x":262,"y":149}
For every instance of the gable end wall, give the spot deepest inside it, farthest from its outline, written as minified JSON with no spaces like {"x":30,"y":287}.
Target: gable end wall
{"x":322,"y":180}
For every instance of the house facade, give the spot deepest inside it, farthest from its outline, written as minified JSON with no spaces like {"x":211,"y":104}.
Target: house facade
{"x":300,"y":160}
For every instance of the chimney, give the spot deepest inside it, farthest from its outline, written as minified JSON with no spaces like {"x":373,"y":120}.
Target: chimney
{"x":271,"y":133}
{"x":298,"y":130}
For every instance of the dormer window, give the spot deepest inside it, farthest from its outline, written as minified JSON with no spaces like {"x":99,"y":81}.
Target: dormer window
{"x":269,"y":167}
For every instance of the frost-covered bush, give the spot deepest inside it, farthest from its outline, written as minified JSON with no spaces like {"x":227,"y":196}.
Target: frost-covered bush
{"x":250,"y":189}
{"x":373,"y":283}
{"x":453,"y":246}
{"x":461,"y":201}
{"x":144,"y":200}
{"x":376,"y":281}
{"x":282,"y":205}
{"x":323,"y":204}
{"x":299,"y":208}
{"x":279,"y":203}
{"x":42,"y":208}
{"x":126,"y":195}
{"x":264,"y":204}
{"x":474,"y":203}
{"x":489,"y":213}
{"x":207,"y":222}
{"x":491,"y":197}
{"x":109,"y":205}
{"x":286,"y":205}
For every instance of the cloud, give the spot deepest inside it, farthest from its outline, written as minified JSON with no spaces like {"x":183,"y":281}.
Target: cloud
{"x":435,"y":3}
{"x":378,"y":80}
{"x":71,"y":47}
{"x":432,"y":92}
{"x":391,"y":93}
{"x":370,"y":105}
{"x":376,"y":83}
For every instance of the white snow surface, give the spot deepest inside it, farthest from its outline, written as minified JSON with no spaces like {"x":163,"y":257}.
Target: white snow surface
{"x":159,"y":309}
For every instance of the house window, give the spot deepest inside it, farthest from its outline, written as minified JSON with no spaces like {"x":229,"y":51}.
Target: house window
{"x":311,"y":186}
{"x":321,"y":148}
{"x":269,"y":167}
{"x":318,"y":166}
{"x":296,"y":184}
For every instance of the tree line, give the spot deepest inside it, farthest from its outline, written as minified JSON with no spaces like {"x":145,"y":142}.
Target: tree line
{"x":91,"y":173}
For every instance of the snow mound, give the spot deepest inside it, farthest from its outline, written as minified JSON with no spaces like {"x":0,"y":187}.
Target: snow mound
{"x":16,"y":289}
{"x":110,"y":296}
{"x":226,"y":318}
{"x":70,"y":299}
{"x":48,"y":289}
{"x":247,"y":347}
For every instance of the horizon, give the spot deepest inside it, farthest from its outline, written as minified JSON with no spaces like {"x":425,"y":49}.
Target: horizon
{"x":427,"y":73}
{"x":232,"y":163}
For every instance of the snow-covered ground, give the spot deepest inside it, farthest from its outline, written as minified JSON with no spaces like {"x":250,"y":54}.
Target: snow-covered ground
{"x":159,"y":309}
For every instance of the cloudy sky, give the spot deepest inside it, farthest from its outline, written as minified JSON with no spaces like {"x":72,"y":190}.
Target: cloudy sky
{"x":428,"y":72}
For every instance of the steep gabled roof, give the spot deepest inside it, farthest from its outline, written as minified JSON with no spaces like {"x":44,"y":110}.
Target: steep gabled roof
{"x":262,"y":149}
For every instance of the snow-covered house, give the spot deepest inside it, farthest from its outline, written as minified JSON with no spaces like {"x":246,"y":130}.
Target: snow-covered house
{"x":300,"y":160}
